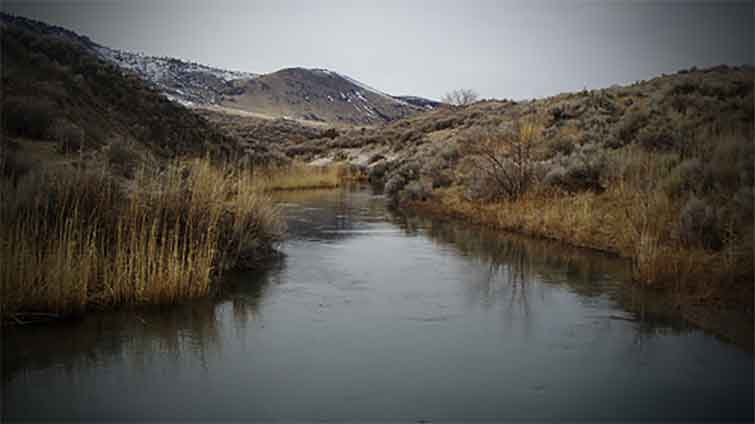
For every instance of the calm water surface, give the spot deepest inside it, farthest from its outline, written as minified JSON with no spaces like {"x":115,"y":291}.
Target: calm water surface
{"x":376,"y":316}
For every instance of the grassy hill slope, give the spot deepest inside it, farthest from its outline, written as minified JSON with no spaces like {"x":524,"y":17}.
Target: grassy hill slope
{"x":59,"y":98}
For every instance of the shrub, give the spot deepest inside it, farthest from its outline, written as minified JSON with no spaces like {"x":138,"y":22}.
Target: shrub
{"x":683,"y":87}
{"x":731,"y":164}
{"x":438,"y":170}
{"x":585,"y":169}
{"x":443,"y":124}
{"x":376,"y":171}
{"x":698,"y":224}
{"x":683,"y":179}
{"x":122,"y":157}
{"x":395,"y":183}
{"x":330,"y":133}
{"x":410,"y":136}
{"x":304,"y":149}
{"x":415,"y":191}
{"x":69,"y":136}
{"x":717,"y":89}
{"x":656,"y":138}
{"x":627,"y":127}
{"x":561,"y":146}
{"x":450,"y":152}
{"x":502,"y":162}
{"x":28,"y":117}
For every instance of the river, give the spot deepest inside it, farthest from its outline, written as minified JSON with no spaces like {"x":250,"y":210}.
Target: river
{"x":377,"y":315}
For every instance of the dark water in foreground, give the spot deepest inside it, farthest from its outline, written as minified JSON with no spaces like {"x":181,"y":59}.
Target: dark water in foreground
{"x":373,"y":316}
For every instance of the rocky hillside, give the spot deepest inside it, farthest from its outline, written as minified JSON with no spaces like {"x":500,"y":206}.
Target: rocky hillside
{"x":318,"y":95}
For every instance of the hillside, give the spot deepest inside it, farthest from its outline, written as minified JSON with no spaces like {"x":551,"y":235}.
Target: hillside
{"x":62,"y":104}
{"x":188,"y":83}
{"x":317,"y":95}
{"x":660,"y":115}
{"x":419,"y":102}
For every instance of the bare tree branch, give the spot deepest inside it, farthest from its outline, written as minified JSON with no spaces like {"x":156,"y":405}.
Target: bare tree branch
{"x":460,"y":97}
{"x":501,"y":161}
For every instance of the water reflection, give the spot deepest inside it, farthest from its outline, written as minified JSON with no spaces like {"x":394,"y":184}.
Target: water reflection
{"x":103,"y":338}
{"x":330,"y":215}
{"x":511,"y":267}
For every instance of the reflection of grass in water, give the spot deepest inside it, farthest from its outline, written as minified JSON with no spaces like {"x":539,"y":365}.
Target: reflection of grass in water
{"x":246,"y":290}
{"x":139,"y":335}
{"x":512,"y":261}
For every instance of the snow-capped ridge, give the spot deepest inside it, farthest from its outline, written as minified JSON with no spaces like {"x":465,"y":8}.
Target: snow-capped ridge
{"x":187,"y":83}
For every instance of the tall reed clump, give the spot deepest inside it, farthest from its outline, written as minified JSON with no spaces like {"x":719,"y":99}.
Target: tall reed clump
{"x":72,"y":241}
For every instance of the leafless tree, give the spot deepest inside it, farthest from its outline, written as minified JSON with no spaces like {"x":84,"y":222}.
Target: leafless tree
{"x":501,"y":162}
{"x":460,"y":97}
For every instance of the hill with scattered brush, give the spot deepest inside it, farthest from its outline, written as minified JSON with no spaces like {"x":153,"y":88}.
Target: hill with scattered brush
{"x":318,"y":95}
{"x":63,"y":103}
{"x":188,"y":83}
{"x":660,"y":115}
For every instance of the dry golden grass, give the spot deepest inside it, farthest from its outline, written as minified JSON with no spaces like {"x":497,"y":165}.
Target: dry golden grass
{"x":70,"y":241}
{"x":299,"y":177}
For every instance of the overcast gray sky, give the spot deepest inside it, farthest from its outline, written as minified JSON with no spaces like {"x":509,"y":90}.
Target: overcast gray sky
{"x":502,"y":49}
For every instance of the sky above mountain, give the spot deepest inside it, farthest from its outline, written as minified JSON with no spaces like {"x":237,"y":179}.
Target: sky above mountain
{"x":501,"y":49}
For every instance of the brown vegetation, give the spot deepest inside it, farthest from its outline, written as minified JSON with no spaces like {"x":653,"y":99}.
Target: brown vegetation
{"x":73,"y":241}
{"x":686,"y":226}
{"x":298,"y":177}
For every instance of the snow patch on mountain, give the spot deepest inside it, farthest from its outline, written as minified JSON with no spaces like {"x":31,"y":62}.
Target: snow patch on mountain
{"x":187,"y":83}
